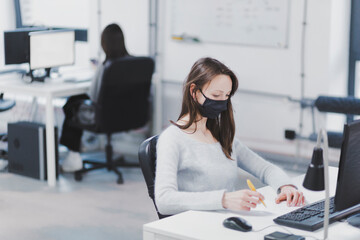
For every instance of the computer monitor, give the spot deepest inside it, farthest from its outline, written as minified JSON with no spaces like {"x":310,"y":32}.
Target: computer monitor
{"x":17,"y":45}
{"x":348,"y":182}
{"x":52,"y":48}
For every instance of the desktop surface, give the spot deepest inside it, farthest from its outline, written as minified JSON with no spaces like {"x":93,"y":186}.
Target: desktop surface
{"x":51,"y":87}
{"x":208,"y":224}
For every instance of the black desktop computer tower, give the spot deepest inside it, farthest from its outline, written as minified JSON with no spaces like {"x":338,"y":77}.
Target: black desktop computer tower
{"x":27,"y":149}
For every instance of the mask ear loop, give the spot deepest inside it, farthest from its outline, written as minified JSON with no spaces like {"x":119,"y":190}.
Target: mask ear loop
{"x":203,"y":94}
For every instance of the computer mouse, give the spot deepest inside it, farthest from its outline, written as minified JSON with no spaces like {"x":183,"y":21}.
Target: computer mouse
{"x":237,"y":223}
{"x":354,"y":220}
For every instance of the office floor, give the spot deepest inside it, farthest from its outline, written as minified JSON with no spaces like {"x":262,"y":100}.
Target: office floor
{"x":96,"y":208}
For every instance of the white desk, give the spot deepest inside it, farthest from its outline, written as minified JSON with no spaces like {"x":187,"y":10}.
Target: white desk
{"x":48,"y":90}
{"x":208,"y":224}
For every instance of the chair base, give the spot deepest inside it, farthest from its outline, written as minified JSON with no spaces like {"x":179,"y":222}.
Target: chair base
{"x":111,"y":166}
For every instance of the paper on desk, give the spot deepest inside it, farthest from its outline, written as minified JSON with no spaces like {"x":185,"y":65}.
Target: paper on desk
{"x":272,"y":207}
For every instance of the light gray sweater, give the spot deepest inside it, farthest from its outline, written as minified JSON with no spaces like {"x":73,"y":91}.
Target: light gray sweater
{"x":192,"y":175}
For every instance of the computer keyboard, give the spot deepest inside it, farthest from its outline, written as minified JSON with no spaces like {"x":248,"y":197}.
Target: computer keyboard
{"x":311,"y":217}
{"x":76,"y":75}
{"x":77,"y":80}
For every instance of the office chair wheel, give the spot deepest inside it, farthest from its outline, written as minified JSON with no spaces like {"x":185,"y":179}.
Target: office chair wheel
{"x":120,"y":180}
{"x":78,"y":176}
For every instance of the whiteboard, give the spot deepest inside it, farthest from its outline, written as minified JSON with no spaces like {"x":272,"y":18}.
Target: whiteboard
{"x":249,"y":22}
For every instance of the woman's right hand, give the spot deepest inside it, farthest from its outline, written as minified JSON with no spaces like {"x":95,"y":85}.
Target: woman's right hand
{"x":241,"y":200}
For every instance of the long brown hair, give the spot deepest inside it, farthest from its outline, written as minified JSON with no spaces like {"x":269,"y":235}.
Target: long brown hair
{"x":113,"y":42}
{"x":222,"y":127}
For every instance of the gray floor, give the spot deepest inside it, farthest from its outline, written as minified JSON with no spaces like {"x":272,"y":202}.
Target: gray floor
{"x":96,"y":208}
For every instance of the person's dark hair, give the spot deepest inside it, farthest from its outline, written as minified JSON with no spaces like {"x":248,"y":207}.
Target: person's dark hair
{"x":113,"y":42}
{"x":223,"y":127}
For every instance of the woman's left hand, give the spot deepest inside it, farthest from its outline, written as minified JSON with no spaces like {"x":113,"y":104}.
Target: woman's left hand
{"x":291,"y":195}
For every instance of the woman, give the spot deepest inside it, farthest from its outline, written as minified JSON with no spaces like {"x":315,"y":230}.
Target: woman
{"x":79,"y":109}
{"x":197,"y":157}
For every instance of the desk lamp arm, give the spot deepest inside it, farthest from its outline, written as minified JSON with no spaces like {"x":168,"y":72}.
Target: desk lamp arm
{"x":323,"y":136}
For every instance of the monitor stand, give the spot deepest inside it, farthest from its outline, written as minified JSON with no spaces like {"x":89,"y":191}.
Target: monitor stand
{"x":39,"y":78}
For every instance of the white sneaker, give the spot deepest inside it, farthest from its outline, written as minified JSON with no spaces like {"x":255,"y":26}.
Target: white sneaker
{"x":72,"y":162}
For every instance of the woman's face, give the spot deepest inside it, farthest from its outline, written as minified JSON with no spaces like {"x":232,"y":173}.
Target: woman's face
{"x":219,"y":88}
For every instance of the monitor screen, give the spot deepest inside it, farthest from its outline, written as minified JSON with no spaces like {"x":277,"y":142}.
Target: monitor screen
{"x":52,"y":48}
{"x":348,"y":183}
{"x":17,"y":45}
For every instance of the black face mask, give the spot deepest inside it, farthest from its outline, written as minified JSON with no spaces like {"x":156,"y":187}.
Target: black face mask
{"x":212,"y":108}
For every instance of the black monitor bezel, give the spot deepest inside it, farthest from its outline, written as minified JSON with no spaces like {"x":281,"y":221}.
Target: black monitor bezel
{"x":24,"y":47}
{"x":343,"y":198}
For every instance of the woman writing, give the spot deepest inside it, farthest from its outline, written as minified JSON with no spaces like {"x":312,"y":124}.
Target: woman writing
{"x":198,"y":156}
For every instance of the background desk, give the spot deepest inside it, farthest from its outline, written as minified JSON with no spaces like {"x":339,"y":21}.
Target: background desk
{"x":208,"y":224}
{"x":49,"y":90}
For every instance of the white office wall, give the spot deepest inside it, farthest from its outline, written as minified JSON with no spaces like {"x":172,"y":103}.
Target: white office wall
{"x":339,"y":57}
{"x":262,"y":120}
{"x":132,"y":16}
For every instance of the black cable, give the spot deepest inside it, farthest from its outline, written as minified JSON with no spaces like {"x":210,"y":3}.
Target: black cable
{"x":273,"y":225}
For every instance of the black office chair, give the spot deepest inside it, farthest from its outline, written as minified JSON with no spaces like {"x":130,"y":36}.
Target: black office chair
{"x":5,"y":104}
{"x":147,"y":160}
{"x":123,"y":104}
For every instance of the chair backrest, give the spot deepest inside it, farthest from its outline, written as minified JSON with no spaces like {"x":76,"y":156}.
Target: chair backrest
{"x":147,"y":159}
{"x":123,"y":101}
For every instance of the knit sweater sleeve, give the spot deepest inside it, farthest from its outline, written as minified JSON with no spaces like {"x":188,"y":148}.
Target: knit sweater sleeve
{"x":168,"y":198}
{"x":259,"y":167}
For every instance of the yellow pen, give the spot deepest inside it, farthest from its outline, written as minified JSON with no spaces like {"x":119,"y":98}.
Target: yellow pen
{"x":177,"y":38}
{"x":252,"y":188}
